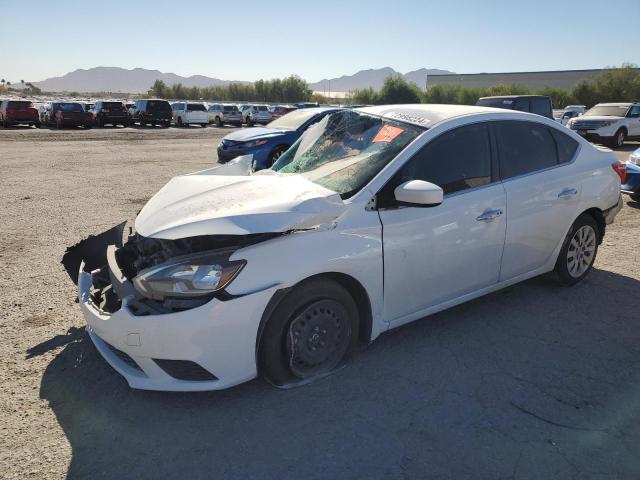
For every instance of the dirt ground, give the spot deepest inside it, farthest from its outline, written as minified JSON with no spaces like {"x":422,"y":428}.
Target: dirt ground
{"x":533,"y":382}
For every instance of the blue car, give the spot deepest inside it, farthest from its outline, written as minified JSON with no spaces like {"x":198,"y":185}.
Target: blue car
{"x":631,"y":184}
{"x":266,"y":144}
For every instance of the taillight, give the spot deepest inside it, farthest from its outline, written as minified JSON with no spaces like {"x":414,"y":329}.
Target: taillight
{"x":621,"y":169}
{"x":105,"y":110}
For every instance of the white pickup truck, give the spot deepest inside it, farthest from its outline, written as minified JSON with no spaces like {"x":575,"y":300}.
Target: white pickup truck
{"x":185,"y":114}
{"x":610,"y":123}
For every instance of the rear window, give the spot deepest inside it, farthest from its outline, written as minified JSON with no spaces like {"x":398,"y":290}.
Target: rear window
{"x":158,"y":105}
{"x":196,"y":107}
{"x":70,"y":107}
{"x":111,"y":105}
{"x":230,"y":108}
{"x":566,"y":145}
{"x":262,"y":108}
{"x":19,"y":104}
{"x":524,"y":147}
{"x":497,"y":102}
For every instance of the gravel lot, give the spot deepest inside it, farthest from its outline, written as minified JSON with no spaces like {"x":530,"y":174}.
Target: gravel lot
{"x":535,"y":382}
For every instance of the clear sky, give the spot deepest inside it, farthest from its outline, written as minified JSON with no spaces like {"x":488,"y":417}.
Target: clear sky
{"x":252,"y":39}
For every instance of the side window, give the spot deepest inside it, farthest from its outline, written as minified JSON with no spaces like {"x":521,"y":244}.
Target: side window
{"x":566,"y":145}
{"x":524,"y":147}
{"x":457,"y":160}
{"x":634,"y":112}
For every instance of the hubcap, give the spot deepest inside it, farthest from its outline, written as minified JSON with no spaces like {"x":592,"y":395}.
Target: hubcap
{"x":318,"y":338}
{"x":581,"y":251}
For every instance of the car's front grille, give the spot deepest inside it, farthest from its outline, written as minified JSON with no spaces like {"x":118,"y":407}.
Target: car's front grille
{"x":124,"y":357}
{"x":185,"y":370}
{"x":586,"y":125}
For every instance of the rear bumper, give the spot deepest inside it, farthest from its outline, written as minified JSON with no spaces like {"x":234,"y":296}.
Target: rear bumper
{"x":610,"y":213}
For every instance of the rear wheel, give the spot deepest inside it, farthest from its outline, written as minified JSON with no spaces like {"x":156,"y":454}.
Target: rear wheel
{"x":218,"y":122}
{"x":578,"y":251}
{"x":179,"y":122}
{"x":203,"y":125}
{"x":309,"y":334}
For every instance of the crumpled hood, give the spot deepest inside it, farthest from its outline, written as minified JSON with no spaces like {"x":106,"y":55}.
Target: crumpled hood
{"x":207,"y":203}
{"x":246,"y":134}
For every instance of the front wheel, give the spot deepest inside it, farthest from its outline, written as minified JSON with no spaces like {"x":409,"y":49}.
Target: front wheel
{"x":619,"y":138}
{"x":578,"y":251}
{"x":309,"y":334}
{"x":276,"y":154}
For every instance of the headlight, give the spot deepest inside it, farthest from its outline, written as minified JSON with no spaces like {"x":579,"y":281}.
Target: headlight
{"x":191,"y":276}
{"x":255,"y":143}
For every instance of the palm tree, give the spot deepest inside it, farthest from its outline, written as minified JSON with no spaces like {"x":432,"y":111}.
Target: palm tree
{"x":8,"y":84}
{"x":22,"y":82}
{"x":3,"y":81}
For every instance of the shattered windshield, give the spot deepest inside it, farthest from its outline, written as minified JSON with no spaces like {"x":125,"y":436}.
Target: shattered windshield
{"x":345,"y":150}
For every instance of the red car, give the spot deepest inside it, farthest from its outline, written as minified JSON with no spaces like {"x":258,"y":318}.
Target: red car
{"x":281,"y":110}
{"x":18,"y":112}
{"x":67,"y":114}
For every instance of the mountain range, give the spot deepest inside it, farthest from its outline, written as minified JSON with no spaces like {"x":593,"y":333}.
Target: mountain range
{"x":139,"y":80}
{"x":373,"y":78}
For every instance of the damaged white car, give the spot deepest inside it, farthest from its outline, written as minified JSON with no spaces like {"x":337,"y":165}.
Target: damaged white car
{"x":374,"y":218}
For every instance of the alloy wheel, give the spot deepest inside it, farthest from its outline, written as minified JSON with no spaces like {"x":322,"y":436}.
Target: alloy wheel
{"x":580,"y":254}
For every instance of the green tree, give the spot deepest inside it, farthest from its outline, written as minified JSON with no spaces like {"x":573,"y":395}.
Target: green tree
{"x":397,"y":90}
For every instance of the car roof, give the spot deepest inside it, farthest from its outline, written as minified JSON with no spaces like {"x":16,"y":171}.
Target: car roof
{"x":426,"y":115}
{"x":515,"y":96}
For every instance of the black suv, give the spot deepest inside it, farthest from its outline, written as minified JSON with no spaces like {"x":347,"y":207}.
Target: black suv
{"x":151,"y":112}
{"x":112,"y":113}
{"x":539,"y":104}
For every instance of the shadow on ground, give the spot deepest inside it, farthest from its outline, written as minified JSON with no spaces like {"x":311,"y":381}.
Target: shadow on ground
{"x":534,"y":381}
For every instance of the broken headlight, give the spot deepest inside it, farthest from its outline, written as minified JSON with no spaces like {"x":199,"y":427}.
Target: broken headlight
{"x":189,"y":276}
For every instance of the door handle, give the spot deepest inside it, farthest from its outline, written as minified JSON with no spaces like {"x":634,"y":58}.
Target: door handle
{"x":567,"y":193}
{"x":489,"y":215}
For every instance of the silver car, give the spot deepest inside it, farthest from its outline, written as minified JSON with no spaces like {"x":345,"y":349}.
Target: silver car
{"x":221,"y":114}
{"x":252,"y":114}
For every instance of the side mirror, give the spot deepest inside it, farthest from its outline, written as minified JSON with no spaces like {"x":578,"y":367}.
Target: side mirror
{"x":419,"y":193}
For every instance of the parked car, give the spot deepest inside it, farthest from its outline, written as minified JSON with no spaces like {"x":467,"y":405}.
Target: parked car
{"x":306,"y":105}
{"x":109,"y":113}
{"x":576,"y":108}
{"x":267,"y":144}
{"x":69,"y":114}
{"x":87,"y":106}
{"x":43,"y":113}
{"x":563,"y":116}
{"x":151,"y":112}
{"x":18,"y":112}
{"x":252,"y":114}
{"x":538,"y":104}
{"x":280,"y":110}
{"x":186,"y":113}
{"x":631,"y":184}
{"x":609,"y":123}
{"x":358,"y":228}
{"x":221,"y":114}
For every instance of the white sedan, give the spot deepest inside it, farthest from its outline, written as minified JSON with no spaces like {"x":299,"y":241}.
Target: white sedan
{"x":374,"y":218}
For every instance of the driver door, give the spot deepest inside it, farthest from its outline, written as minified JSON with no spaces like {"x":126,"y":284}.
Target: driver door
{"x":436,"y":254}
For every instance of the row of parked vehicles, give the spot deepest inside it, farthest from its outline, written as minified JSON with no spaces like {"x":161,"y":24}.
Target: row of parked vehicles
{"x":143,"y":112}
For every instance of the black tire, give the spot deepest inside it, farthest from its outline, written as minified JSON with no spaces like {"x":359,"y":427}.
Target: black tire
{"x":309,"y":334}
{"x":37,"y":124}
{"x":143,"y":123}
{"x":203,"y":125}
{"x":619,"y":138}
{"x":218,"y":122}
{"x":276,"y":153}
{"x":179,"y":122}
{"x":167,"y":124}
{"x":584,"y":254}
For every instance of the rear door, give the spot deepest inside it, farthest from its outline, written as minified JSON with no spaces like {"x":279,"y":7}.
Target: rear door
{"x":543,"y":192}
{"x":634,"y":120}
{"x":436,"y":254}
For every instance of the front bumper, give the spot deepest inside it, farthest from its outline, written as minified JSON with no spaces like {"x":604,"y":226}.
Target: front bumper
{"x":260,"y":154}
{"x":219,"y":336}
{"x":631,"y":184}
{"x":599,"y":134}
